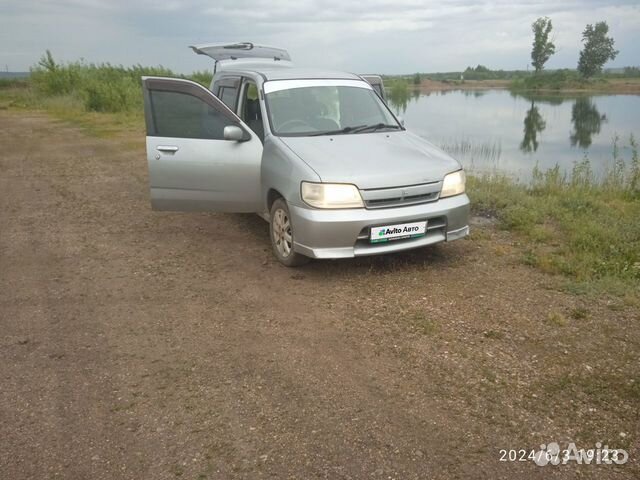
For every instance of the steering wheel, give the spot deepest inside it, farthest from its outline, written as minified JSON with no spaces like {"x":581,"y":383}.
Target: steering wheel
{"x":295,"y":121}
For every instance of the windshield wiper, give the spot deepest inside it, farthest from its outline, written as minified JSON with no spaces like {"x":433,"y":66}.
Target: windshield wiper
{"x":338,"y":132}
{"x":373,"y":128}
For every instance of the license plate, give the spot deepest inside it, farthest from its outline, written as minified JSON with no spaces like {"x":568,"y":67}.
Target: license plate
{"x":397,"y":232}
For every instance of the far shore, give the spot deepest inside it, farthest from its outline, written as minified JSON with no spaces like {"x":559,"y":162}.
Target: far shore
{"x":616,"y":85}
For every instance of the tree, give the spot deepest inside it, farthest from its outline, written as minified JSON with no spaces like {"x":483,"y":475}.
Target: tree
{"x":543,"y":48}
{"x":598,"y":49}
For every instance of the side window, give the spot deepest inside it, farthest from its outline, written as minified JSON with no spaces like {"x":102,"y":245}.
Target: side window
{"x":228,"y":95}
{"x":251,"y":113}
{"x":178,"y":114}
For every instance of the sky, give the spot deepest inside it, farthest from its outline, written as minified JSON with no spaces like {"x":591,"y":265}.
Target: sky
{"x":377,"y":36}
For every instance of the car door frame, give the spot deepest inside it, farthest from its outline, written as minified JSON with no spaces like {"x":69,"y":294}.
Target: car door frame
{"x":201,"y":174}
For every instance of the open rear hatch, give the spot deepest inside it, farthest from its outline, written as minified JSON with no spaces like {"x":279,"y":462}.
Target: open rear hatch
{"x":229,"y":52}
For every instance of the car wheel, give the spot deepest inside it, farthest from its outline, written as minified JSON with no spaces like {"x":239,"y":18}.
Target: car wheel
{"x":282,"y":236}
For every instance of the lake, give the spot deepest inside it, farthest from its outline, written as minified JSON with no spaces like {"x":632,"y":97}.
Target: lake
{"x":497,"y":131}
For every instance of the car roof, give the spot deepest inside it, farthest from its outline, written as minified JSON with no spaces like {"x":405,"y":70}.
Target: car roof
{"x":293,"y":73}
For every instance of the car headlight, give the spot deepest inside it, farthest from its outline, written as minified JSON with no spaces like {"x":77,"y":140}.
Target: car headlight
{"x":453,"y":184}
{"x":331,"y":195}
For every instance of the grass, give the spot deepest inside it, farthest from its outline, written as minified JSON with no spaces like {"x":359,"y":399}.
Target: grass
{"x":556,"y":319}
{"x":423,"y":323}
{"x":579,"y":313}
{"x":469,"y":151}
{"x":571,"y":80}
{"x":86,"y":87}
{"x":577,"y":225}
{"x":555,"y":80}
{"x":599,"y":389}
{"x":104,"y":99}
{"x":13,"y":83}
{"x":96,"y":88}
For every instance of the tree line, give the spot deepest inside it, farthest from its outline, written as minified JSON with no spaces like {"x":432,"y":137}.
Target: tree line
{"x":598,"y":47}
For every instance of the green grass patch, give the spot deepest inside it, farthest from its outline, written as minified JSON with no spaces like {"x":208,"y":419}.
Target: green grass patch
{"x":595,"y":388}
{"x":13,"y":83}
{"x":577,"y":225}
{"x":97,"y":87}
{"x":103,"y":99}
{"x":563,"y":79}
{"x":88,"y":87}
{"x":556,"y":319}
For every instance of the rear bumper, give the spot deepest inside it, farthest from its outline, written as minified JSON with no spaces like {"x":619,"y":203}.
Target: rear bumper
{"x":345,"y":233}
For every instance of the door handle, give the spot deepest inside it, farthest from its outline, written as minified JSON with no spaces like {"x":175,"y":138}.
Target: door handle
{"x":167,"y":148}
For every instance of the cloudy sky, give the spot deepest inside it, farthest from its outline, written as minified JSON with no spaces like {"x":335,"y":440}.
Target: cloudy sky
{"x":382,"y":36}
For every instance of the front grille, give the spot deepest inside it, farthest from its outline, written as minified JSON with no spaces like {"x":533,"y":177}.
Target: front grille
{"x":401,"y":196}
{"x":401,"y":201}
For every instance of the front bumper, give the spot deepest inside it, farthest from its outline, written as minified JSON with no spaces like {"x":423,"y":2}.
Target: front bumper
{"x":345,"y":233}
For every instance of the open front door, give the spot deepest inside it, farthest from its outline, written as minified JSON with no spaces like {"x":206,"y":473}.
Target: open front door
{"x":196,"y":162}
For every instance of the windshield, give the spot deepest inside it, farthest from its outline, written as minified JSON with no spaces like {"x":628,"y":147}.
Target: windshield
{"x":330,"y":109}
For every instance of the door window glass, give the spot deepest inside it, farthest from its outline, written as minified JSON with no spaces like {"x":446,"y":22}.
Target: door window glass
{"x":182,"y":115}
{"x":228,"y":96}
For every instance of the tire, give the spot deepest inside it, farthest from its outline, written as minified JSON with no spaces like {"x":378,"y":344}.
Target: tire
{"x":281,"y":232}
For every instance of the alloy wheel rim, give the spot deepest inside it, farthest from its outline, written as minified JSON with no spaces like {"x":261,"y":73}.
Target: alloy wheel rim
{"x":281,"y":231}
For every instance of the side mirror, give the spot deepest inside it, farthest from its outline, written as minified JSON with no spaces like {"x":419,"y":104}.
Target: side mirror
{"x":233,"y":133}
{"x":401,"y":120}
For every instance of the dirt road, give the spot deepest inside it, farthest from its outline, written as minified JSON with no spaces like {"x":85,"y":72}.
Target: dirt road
{"x":144,"y":345}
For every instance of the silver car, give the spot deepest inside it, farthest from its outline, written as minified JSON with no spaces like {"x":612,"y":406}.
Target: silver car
{"x":316,"y":153}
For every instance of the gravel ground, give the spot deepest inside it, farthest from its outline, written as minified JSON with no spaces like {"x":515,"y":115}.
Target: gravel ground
{"x":138,"y":344}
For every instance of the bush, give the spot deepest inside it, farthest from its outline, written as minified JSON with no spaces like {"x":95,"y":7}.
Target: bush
{"x":203,"y":77}
{"x":100,"y":87}
{"x":631,"y":72}
{"x":551,"y":80}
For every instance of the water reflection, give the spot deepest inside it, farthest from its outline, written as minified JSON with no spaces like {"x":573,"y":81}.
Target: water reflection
{"x":587,"y":122}
{"x":399,"y":98}
{"x":533,"y":125}
{"x":545,"y":98}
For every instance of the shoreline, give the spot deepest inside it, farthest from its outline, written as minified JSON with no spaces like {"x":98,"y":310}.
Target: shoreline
{"x":610,"y":86}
